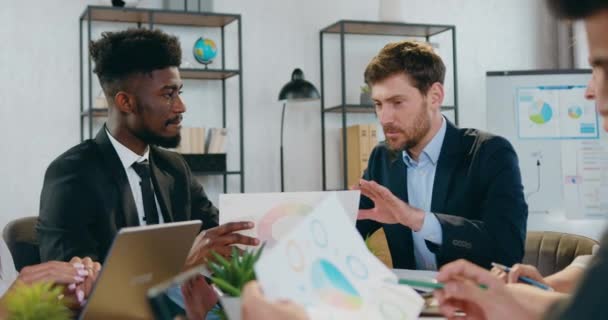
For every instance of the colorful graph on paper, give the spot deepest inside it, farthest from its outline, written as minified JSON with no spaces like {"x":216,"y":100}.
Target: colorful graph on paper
{"x":276,"y":214}
{"x":324,"y":265}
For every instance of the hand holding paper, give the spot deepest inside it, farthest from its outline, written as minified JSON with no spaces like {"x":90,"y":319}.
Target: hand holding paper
{"x":324,"y":265}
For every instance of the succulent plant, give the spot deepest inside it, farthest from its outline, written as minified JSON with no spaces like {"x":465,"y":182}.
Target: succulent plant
{"x":231,"y":275}
{"x":36,"y":301}
{"x":366,"y":89}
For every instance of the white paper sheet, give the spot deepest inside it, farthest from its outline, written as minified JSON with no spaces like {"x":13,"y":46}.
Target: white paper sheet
{"x":275,"y":214}
{"x":585,"y":174}
{"x":323,"y":264}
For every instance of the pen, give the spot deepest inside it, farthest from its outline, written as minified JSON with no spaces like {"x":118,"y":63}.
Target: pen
{"x":522,"y":278}
{"x":427,"y":284}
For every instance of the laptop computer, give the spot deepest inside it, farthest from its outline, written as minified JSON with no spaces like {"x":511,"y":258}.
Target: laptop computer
{"x":140,"y":257}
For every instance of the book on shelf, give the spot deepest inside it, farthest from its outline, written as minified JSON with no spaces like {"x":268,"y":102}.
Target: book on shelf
{"x":216,"y":142}
{"x":193,"y":141}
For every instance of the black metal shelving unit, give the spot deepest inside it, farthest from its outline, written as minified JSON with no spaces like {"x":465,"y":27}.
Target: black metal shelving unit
{"x":152,"y":18}
{"x":367,"y":28}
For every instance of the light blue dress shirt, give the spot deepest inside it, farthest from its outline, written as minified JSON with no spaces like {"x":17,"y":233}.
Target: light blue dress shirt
{"x":420,"y":179}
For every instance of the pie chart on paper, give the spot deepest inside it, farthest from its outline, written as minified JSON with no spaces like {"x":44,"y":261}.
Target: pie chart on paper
{"x":540,"y":112}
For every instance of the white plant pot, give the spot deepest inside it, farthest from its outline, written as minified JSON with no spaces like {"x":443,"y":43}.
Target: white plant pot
{"x":232,"y":307}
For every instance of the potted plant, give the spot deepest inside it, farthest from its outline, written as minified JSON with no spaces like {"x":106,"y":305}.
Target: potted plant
{"x":365,"y":98}
{"x":230,"y":276}
{"x":37,"y":301}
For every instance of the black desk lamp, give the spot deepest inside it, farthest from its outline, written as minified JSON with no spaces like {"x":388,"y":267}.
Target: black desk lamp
{"x":297,"y":89}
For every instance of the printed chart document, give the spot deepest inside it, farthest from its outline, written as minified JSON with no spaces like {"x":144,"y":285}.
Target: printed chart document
{"x":275,"y":214}
{"x":324,"y":265}
{"x":555,"y":112}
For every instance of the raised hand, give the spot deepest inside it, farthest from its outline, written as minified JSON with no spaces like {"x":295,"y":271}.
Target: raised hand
{"x":388,"y":208}
{"x":219,"y":239}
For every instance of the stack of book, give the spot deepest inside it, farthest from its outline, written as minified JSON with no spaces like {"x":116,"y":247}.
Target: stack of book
{"x":196,"y":141}
{"x":361,"y":140}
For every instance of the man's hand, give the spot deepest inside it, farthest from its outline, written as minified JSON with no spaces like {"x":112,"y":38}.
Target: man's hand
{"x":219,"y":239}
{"x":388,"y":208}
{"x":462,"y":293}
{"x":199,"y":298}
{"x":255,"y":306}
{"x":83,"y":290}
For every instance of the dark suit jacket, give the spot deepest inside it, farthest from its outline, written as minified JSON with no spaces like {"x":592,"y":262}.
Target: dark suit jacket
{"x":477,"y":198}
{"x":589,"y":298}
{"x":86,"y":199}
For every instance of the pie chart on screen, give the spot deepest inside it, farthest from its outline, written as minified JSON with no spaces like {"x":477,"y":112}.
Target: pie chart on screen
{"x":575,"y":112}
{"x":540,"y":112}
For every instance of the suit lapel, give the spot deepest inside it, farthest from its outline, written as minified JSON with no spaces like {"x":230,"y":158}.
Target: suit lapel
{"x":449,"y":158}
{"x":398,"y":177}
{"x":163,"y":185}
{"x":115,"y":169}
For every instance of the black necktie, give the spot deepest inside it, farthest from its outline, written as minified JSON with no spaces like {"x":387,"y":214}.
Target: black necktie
{"x":150,"y":211}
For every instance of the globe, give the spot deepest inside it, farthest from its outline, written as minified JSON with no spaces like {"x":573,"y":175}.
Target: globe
{"x":204,"y":50}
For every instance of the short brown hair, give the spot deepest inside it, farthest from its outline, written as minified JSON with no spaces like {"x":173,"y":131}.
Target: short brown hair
{"x":576,"y":9}
{"x":415,"y":59}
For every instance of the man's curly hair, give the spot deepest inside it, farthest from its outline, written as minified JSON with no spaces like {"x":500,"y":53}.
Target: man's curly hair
{"x":416,"y":59}
{"x":118,"y":55}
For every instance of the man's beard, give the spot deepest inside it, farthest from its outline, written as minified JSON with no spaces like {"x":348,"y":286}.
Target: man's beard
{"x":414,"y":134}
{"x":156,"y":140}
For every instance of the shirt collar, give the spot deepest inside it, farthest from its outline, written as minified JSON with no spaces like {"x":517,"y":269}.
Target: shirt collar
{"x":127,"y":156}
{"x":432,"y":150}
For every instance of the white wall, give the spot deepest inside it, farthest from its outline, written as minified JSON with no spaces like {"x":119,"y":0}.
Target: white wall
{"x":39,"y":79}
{"x":39,"y":95}
{"x":491,"y":35}
{"x":279,"y":36}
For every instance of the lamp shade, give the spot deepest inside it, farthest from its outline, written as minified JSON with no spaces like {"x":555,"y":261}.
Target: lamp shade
{"x":298,"y":88}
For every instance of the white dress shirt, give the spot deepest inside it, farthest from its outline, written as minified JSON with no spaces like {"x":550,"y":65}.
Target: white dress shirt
{"x":8,"y":273}
{"x":128,"y":158}
{"x":420,"y":181}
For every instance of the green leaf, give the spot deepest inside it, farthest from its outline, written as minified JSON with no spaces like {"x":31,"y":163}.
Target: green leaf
{"x":224,"y":263}
{"x":236,"y":271}
{"x":226,"y":287}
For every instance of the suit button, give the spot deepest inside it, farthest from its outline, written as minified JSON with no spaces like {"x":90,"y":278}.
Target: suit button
{"x":462,"y":244}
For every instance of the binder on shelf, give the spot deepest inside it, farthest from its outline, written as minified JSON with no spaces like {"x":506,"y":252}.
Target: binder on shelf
{"x":358,"y":151}
{"x":373,"y":136}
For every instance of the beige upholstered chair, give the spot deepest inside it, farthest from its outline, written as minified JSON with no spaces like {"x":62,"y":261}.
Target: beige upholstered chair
{"x":20,"y":238}
{"x":551,"y":252}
